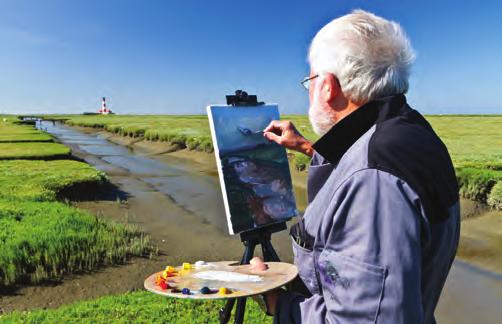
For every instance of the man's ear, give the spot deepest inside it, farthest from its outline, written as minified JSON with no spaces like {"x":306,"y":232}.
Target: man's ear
{"x":330,"y":88}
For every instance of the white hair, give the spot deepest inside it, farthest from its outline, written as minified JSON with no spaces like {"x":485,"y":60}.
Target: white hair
{"x":370,"y":56}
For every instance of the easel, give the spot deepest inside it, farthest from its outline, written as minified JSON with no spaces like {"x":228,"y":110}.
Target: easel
{"x":252,"y":238}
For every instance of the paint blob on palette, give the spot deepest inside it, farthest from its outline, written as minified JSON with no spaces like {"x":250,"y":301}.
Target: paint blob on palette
{"x":219,"y":280}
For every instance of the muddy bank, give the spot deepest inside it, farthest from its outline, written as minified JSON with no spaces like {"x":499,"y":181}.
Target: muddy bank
{"x":481,"y":241}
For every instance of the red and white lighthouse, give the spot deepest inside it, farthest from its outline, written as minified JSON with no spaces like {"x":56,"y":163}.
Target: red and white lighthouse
{"x":104,"y":110}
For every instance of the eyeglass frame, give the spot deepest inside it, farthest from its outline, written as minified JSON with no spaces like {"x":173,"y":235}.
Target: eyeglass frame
{"x":306,"y":81}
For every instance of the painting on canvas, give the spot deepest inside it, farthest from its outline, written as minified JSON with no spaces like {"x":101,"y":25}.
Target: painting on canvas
{"x":254,"y":172}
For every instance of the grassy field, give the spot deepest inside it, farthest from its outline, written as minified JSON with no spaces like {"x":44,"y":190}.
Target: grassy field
{"x":11,"y":133}
{"x":33,"y":150}
{"x":26,"y":142}
{"x":474,"y":143}
{"x":136,"y":307}
{"x":46,"y":240}
{"x":41,"y":238}
{"x":41,"y":180}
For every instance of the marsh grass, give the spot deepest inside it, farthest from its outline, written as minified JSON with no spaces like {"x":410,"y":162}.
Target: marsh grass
{"x":42,"y":180}
{"x":33,"y":150}
{"x":27,"y":142}
{"x":45,"y":240}
{"x":12,"y":133}
{"x":135,"y":307}
{"x":477,"y":184}
{"x":495,"y":196}
{"x":41,"y":238}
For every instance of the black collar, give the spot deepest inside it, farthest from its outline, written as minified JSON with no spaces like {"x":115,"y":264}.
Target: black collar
{"x":333,"y":145}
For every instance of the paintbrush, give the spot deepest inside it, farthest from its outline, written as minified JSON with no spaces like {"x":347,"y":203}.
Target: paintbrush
{"x":248,"y":132}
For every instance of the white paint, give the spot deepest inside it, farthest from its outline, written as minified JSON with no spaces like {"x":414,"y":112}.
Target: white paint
{"x":200,"y":263}
{"x":227,"y":276}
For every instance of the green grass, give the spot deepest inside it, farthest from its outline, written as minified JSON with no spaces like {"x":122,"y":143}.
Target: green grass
{"x":27,"y":142}
{"x":43,"y":180}
{"x":135,"y":307}
{"x":24,"y":137}
{"x":11,"y":133}
{"x":495,"y":196}
{"x":45,"y":240}
{"x":41,"y":238}
{"x":28,"y":150}
{"x":476,"y":183}
{"x":473,"y":141}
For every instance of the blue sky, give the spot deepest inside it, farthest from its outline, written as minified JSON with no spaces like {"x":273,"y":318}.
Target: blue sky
{"x":166,"y":57}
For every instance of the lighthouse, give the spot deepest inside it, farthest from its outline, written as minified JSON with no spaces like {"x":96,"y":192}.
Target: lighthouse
{"x":104,"y":110}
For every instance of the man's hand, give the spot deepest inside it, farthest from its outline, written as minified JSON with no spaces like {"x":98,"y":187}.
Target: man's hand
{"x":284,"y":133}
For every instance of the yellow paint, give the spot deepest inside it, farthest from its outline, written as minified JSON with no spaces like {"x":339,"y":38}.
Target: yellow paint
{"x":170,"y":269}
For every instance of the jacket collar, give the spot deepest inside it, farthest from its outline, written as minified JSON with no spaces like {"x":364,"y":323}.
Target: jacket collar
{"x":333,"y":145}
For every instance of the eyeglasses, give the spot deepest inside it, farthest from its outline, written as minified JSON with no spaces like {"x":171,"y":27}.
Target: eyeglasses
{"x":306,"y":82}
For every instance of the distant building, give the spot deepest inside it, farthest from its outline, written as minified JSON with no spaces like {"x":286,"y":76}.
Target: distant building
{"x":104,"y":110}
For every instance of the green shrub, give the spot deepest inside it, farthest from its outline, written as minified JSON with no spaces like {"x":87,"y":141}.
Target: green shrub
{"x":115,"y":129}
{"x":192,"y":143}
{"x":152,"y":135}
{"x":179,"y":139}
{"x":495,"y":196}
{"x":206,"y":145}
{"x":130,"y":131}
{"x":476,"y":184}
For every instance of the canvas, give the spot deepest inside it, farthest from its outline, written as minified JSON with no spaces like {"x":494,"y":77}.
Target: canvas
{"x":254,"y":172}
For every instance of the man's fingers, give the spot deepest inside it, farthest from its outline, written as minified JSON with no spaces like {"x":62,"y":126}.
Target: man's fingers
{"x":273,"y":126}
{"x":272,"y":137}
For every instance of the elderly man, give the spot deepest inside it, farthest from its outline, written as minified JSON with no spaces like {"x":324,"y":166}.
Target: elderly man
{"x":381,"y":230}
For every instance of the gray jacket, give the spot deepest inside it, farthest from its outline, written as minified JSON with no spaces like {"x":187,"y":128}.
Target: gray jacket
{"x":381,"y":229}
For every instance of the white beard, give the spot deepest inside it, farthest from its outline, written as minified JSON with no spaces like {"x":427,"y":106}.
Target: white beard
{"x":319,"y":119}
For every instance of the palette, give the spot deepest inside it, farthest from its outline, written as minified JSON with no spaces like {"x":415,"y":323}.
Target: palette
{"x":252,"y":282}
